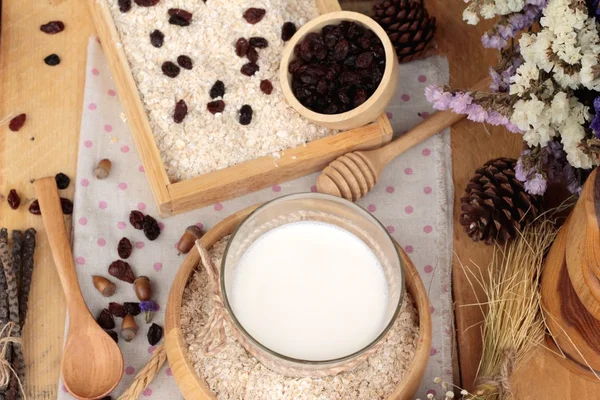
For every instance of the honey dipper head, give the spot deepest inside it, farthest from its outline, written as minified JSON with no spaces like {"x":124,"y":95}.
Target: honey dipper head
{"x":349,"y":177}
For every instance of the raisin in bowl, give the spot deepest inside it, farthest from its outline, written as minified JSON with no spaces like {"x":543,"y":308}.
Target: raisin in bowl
{"x":339,"y":70}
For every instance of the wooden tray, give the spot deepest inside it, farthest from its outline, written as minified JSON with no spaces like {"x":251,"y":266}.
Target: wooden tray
{"x":193,"y":387}
{"x":173,"y":198}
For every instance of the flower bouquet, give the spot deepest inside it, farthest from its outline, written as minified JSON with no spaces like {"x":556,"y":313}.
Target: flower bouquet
{"x":545,"y":87}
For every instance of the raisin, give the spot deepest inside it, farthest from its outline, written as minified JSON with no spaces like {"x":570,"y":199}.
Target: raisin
{"x":364,"y":60}
{"x":266,"y":86}
{"x":53,"y":27}
{"x":62,"y":181}
{"x":185,"y":62}
{"x":216,"y":106}
{"x":249,"y":69}
{"x":66,"y":205}
{"x":340,"y":50}
{"x":124,"y":248}
{"x":146,"y":3}
{"x":115,"y":337}
{"x":252,"y":55}
{"x":121,"y":270}
{"x":360,"y":96}
{"x":180,"y":112}
{"x":116,"y":309}
{"x":17,"y":122}
{"x":155,"y":333}
{"x":14,"y":201}
{"x":254,"y":15}
{"x":52,"y":60}
{"x":157,"y":38}
{"x":287,"y":31}
{"x":132,"y":308}
{"x":34,"y":208}
{"x":136,"y":219}
{"x":295,"y":65}
{"x":344,"y":96}
{"x":170,"y":69}
{"x":245,"y":114}
{"x":151,"y":228}
{"x":105,"y":319}
{"x":124,"y":5}
{"x":322,"y":86}
{"x":179,"y":17}
{"x":241,"y":47}
{"x":258,"y":42}
{"x":217,"y":90}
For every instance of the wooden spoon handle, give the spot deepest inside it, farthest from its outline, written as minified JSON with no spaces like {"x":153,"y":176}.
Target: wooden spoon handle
{"x":56,"y":231}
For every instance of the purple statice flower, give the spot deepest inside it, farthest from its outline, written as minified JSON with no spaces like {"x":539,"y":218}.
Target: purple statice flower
{"x":594,"y":8}
{"x":437,"y":97}
{"x":538,"y":3}
{"x":495,"y":118}
{"x":595,"y":124}
{"x":492,"y":41}
{"x":536,"y":184}
{"x":461,"y":102}
{"x":149,"y":307}
{"x":510,"y":26}
{"x":476,"y":113}
{"x":512,"y":128}
{"x":520,"y":172}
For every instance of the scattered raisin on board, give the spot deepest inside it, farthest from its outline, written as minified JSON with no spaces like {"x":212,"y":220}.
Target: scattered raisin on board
{"x":17,"y":122}
{"x":53,"y":27}
{"x":146,"y":3}
{"x":105,"y":320}
{"x":157,"y":38}
{"x":136,"y":219}
{"x":124,"y":5}
{"x":287,"y":31}
{"x":52,"y":60}
{"x":34,"y":208}
{"x":252,"y":55}
{"x":241,"y":47}
{"x":155,"y":333}
{"x":258,"y":42}
{"x":124,"y":248}
{"x":217,"y":90}
{"x":116,"y":309}
{"x":115,"y":337}
{"x":132,"y":308}
{"x":249,"y":69}
{"x":216,"y":106}
{"x":180,"y":112}
{"x":245,"y":114}
{"x":14,"y":201}
{"x":179,"y":17}
{"x":266,"y":86}
{"x":185,"y":62}
{"x":122,"y":271}
{"x":170,"y":69}
{"x":254,"y":15}
{"x":66,"y":205}
{"x":151,"y":228}
{"x":62,"y":181}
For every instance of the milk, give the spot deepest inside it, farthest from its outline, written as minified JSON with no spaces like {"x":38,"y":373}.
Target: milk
{"x":311,"y":291}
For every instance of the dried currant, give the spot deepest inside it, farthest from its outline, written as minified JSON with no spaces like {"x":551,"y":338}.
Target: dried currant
{"x":17,"y":122}
{"x":62,"y":181}
{"x":132,"y":308}
{"x":185,"y":62}
{"x":66,"y":205}
{"x":180,"y":112}
{"x":179,"y":17}
{"x":52,"y":60}
{"x":254,"y":15}
{"x":116,"y":309}
{"x":155,"y":333}
{"x":258,"y":42}
{"x":124,"y":5}
{"x":136,"y":219}
{"x":151,"y":228}
{"x":146,"y":3}
{"x":121,"y":270}
{"x":252,"y":55}
{"x":249,"y":69}
{"x":266,"y":86}
{"x":245,"y":116}
{"x":34,"y":208}
{"x":170,"y":69}
{"x":157,"y":38}
{"x":217,"y":90}
{"x":340,"y":51}
{"x":14,"y":201}
{"x":364,"y":60}
{"x":53,"y":27}
{"x":115,"y":337}
{"x":124,"y":248}
{"x":287,"y":31}
{"x":241,"y":47}
{"x":105,"y":320}
{"x":216,"y":106}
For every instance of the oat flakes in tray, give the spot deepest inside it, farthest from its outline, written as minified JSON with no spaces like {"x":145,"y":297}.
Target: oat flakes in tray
{"x":179,"y":49}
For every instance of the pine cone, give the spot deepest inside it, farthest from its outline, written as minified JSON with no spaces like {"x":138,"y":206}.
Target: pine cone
{"x":408,"y":25}
{"x":496,"y":205}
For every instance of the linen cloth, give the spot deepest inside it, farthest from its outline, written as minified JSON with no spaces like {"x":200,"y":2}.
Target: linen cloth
{"x":413,"y":199}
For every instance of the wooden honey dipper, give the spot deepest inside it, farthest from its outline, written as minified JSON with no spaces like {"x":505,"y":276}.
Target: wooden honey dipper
{"x":354,"y":174}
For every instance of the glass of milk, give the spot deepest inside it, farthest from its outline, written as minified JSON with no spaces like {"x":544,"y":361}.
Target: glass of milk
{"x":311,"y":284}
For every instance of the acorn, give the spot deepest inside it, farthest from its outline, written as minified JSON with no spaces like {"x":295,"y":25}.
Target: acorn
{"x":128,"y":328}
{"x":103,"y":169}
{"x":142,"y":287}
{"x":188,"y":239}
{"x":104,"y":286}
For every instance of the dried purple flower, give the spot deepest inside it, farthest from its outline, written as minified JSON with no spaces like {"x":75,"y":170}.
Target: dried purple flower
{"x":149,"y":307}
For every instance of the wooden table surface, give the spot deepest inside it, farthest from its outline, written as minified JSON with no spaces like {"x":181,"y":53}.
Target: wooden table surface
{"x":52,"y":98}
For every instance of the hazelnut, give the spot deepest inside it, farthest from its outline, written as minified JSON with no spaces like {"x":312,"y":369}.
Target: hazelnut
{"x":128,"y":328}
{"x":104,"y":286}
{"x":103,"y":169}
{"x":188,"y":239}
{"x":142,"y":287}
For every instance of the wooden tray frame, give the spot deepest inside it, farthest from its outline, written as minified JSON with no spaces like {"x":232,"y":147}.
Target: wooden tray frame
{"x":239,"y":179}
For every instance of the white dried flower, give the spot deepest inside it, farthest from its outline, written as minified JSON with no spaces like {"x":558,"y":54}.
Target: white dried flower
{"x":430,"y":395}
{"x":470,"y":17}
{"x":464,"y":392}
{"x":450,"y":394}
{"x":560,"y":108}
{"x":437,"y":380}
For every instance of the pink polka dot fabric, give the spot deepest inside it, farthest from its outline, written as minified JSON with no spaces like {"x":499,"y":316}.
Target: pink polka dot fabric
{"x":410,"y":200}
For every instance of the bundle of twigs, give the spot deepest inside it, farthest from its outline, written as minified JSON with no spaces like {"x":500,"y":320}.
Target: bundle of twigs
{"x":16,"y":270}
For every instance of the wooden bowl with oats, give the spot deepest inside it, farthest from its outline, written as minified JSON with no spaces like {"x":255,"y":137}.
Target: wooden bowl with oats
{"x":193,"y":386}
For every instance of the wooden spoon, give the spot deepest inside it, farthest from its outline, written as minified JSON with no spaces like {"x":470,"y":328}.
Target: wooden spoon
{"x":92,"y":364}
{"x":354,"y":174}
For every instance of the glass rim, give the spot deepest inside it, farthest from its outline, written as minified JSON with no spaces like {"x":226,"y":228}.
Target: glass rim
{"x":271,"y":352}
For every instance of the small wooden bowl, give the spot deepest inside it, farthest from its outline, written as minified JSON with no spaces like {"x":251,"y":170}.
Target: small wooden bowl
{"x":370,"y":109}
{"x":193,"y":387}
